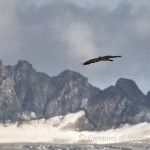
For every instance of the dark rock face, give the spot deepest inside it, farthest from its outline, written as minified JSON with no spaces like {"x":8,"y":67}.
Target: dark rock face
{"x":148,"y":96}
{"x":115,"y":109}
{"x":23,"y":90}
{"x":130,"y":90}
{"x":70,"y":90}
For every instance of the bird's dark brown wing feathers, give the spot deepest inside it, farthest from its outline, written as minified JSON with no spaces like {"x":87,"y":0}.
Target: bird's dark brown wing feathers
{"x":101,"y":58}
{"x":115,"y":56}
{"x":109,"y":56}
{"x":91,"y":61}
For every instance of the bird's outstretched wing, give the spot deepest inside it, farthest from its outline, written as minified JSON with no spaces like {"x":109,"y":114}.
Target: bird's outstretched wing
{"x":108,"y":57}
{"x":91,"y":61}
{"x":101,"y":58}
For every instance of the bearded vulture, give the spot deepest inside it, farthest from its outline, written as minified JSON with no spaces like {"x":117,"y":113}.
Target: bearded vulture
{"x":101,"y":58}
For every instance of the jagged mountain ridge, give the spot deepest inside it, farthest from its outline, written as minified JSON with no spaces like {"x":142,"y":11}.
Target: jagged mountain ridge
{"x":23,"y":90}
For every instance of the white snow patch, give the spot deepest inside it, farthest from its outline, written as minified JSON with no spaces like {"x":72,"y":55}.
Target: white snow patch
{"x":71,"y":118}
{"x":28,"y":115}
{"x":50,"y":131}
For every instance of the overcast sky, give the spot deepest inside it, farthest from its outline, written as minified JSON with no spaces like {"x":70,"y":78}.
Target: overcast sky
{"x":54,"y":35}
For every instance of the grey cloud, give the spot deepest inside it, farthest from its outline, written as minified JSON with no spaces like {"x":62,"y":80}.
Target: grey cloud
{"x":61,"y":35}
{"x":9,"y":36}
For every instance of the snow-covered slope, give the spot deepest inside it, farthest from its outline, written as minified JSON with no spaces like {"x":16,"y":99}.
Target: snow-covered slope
{"x":57,"y":130}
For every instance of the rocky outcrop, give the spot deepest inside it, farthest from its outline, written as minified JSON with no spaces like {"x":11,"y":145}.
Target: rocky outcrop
{"x":70,"y":92}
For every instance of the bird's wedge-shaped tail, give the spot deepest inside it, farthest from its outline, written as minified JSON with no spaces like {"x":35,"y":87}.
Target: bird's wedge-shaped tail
{"x":100,"y":58}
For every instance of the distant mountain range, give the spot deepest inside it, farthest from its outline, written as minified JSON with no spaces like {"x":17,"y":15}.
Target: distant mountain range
{"x":26,"y":94}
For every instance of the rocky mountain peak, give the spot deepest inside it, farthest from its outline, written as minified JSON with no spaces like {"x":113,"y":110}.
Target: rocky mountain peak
{"x":130,"y":89}
{"x":70,"y":74}
{"x":1,"y":63}
{"x":3,"y":71}
{"x":148,"y":95}
{"x":126,"y":84}
{"x":23,"y":64}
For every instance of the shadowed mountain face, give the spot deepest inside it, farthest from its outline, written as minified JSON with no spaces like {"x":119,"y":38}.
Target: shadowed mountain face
{"x":25,"y":92}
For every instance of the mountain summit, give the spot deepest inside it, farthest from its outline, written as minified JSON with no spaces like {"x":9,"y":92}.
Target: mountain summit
{"x":27,"y":94}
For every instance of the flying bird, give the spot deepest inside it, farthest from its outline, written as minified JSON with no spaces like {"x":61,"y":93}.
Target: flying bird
{"x":100,"y":58}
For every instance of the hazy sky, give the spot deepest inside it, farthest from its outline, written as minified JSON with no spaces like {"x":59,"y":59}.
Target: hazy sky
{"x":54,"y":35}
